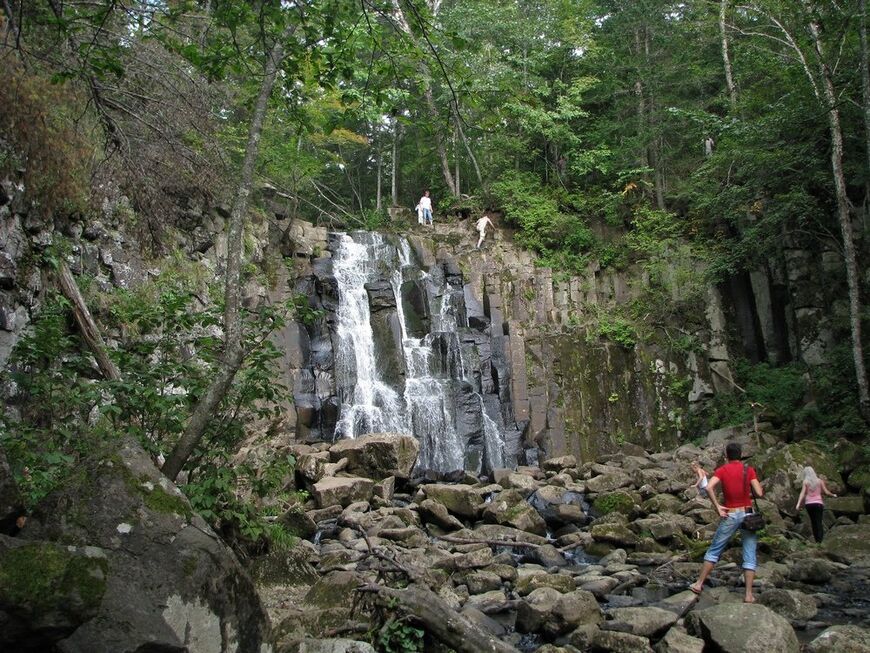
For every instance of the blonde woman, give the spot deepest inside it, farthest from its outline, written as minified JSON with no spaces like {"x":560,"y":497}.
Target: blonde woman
{"x":811,"y":497}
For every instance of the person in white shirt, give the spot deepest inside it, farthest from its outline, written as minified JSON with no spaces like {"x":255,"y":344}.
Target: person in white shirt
{"x":424,"y":206}
{"x":481,"y":226}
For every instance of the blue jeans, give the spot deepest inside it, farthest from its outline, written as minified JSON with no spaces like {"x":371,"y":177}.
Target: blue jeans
{"x":427,"y":216}
{"x":724,"y":532}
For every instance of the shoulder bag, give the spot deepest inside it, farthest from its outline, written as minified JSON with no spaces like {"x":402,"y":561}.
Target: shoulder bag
{"x":754,"y":521}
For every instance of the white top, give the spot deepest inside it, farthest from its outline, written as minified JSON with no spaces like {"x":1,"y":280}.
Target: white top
{"x":482,"y":223}
{"x":425,"y":203}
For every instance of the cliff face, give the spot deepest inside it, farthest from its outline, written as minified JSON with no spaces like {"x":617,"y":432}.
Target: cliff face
{"x":528,"y":353}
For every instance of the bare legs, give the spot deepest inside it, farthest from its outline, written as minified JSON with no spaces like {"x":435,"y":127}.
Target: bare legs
{"x":748,"y":578}
{"x":706,"y":568}
{"x":480,"y":240}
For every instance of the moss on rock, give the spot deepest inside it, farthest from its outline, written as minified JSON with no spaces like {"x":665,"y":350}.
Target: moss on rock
{"x":613,"y":502}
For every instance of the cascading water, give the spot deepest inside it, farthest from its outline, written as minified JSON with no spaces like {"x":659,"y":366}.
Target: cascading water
{"x":368,"y":405}
{"x":436,"y":401}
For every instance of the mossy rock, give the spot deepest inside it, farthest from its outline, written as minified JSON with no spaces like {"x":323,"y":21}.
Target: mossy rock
{"x":47,"y":590}
{"x":621,"y":502}
{"x":792,"y":458}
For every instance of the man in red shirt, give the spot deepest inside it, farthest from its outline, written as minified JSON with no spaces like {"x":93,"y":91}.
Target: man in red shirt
{"x":738,"y":503}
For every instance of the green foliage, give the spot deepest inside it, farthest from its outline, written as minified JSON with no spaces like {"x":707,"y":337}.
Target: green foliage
{"x":167,"y":351}
{"x":562,"y":238}
{"x":614,"y":328}
{"x":613,"y":502}
{"x":399,"y":636}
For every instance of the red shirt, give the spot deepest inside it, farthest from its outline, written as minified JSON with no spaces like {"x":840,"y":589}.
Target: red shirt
{"x":735,"y":489}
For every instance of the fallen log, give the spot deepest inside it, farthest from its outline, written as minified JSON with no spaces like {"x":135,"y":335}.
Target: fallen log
{"x":443,"y":623}
{"x":508,"y":543}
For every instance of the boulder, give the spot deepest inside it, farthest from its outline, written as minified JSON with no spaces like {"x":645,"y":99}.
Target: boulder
{"x":299,"y":523}
{"x":47,"y":591}
{"x":614,"y":533}
{"x":525,"y":585}
{"x":559,"y":463}
{"x":549,"y":611}
{"x":333,"y":646}
{"x":662,"y":503}
{"x":341,"y":490}
{"x":618,"y":642}
{"x":644,"y":621}
{"x":610,"y":502}
{"x":742,"y":628}
{"x":523,"y":482}
{"x":851,"y":506}
{"x":170,"y":581}
{"x":461,"y":500}
{"x":841,"y":639}
{"x":434,"y":512}
{"x":791,"y":604}
{"x":679,"y":641}
{"x":557,"y":505}
{"x":378,"y":455}
{"x":509,"y":508}
{"x":814,"y":571}
{"x":608,"y":482}
{"x":849,"y":544}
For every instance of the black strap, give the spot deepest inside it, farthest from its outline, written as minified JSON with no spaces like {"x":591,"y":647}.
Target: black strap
{"x":751,"y":489}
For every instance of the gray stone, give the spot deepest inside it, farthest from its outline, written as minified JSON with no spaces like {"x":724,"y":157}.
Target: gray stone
{"x":678,"y":641}
{"x":644,"y":621}
{"x":436,"y":513}
{"x":334,"y":646}
{"x":510,"y":509}
{"x":618,"y":642}
{"x":841,"y":639}
{"x":170,"y":579}
{"x":849,"y":544}
{"x":341,"y":490}
{"x":527,"y":584}
{"x":743,"y":628}
{"x":461,"y":500}
{"x":614,"y":534}
{"x":815,"y":571}
{"x":379,"y":455}
{"x":791,"y":604}
{"x":608,"y":482}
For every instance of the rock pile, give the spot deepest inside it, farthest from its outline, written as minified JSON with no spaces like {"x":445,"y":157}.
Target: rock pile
{"x":570,"y":556}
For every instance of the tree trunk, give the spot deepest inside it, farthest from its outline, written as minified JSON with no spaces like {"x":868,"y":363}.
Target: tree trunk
{"x":380,"y":183}
{"x":426,"y":78}
{"x":865,"y":86}
{"x":233,"y":354}
{"x":472,"y":158}
{"x":86,"y":324}
{"x":844,"y":215}
{"x":726,"y":58}
{"x":443,"y":623}
{"x":394,"y":191}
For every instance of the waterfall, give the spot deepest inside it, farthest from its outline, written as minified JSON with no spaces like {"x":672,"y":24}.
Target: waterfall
{"x":437,"y":400}
{"x":368,"y":405}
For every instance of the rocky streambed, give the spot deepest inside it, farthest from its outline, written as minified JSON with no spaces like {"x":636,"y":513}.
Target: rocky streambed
{"x":591,"y":556}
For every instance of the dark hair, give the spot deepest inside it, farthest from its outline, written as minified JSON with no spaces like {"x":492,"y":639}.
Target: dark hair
{"x":733,"y":451}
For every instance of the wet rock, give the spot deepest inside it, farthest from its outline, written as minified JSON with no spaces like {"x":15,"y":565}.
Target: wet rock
{"x":678,"y":641}
{"x":461,"y":500}
{"x":558,"y":506}
{"x":791,"y":604}
{"x":341,"y":490}
{"x":743,"y":628}
{"x":509,"y":508}
{"x":841,"y":639}
{"x":378,"y":456}
{"x":644,"y":621}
